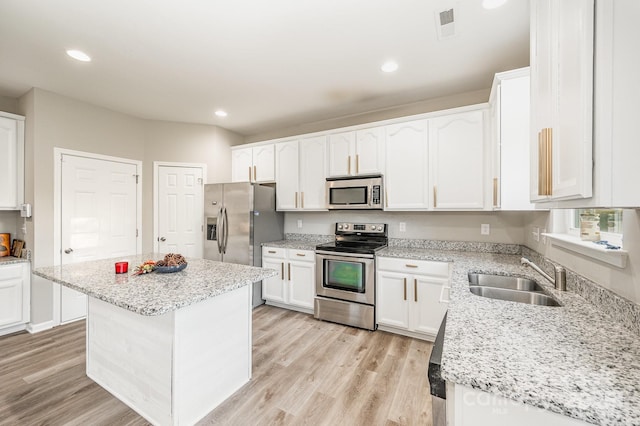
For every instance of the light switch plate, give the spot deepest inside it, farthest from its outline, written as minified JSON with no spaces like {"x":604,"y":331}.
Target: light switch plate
{"x":485,"y":229}
{"x":403,"y":227}
{"x":299,"y":223}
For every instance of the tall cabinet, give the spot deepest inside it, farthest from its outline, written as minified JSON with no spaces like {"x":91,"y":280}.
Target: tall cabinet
{"x":11,"y":161}
{"x":562,"y":47}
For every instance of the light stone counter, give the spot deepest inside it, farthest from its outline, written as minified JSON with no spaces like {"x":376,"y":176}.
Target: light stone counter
{"x":574,"y":360}
{"x":154,"y":293}
{"x":9,"y":260}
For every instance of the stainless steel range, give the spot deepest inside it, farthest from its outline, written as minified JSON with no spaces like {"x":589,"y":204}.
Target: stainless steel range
{"x":345,"y":274}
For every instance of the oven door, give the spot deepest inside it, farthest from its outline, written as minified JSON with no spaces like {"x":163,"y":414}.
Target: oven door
{"x":346,"y":276}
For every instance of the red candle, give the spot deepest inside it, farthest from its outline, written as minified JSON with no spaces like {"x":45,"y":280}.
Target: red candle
{"x":122,"y":267}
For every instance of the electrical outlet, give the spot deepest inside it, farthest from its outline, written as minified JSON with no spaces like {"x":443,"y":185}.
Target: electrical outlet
{"x":403,"y":227}
{"x":536,"y":233}
{"x":485,"y":229}
{"x":544,"y":237}
{"x":299,"y":223}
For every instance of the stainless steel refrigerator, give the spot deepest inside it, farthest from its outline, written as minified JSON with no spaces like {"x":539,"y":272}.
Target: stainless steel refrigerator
{"x":240,"y":217}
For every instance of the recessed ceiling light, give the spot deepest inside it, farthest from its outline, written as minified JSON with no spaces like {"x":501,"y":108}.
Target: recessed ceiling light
{"x":79,"y":55}
{"x":492,"y":4}
{"x":221,"y":113}
{"x":389,"y":66}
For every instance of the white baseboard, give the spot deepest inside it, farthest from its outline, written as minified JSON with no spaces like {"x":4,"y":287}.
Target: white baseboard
{"x":37,"y":328}
{"x":12,"y":329}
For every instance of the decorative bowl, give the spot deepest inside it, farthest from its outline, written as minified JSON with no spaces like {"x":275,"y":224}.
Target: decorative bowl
{"x":169,"y":269}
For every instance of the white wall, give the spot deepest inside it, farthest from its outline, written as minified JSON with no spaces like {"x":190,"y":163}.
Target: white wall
{"x":57,"y":121}
{"x":9,"y":105}
{"x":624,"y":282}
{"x":506,"y":227}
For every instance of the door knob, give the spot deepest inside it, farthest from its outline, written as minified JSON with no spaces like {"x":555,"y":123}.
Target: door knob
{"x":163,"y":239}
{"x":68,"y":251}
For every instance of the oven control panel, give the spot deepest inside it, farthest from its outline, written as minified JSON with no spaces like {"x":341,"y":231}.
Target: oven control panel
{"x":368,"y":228}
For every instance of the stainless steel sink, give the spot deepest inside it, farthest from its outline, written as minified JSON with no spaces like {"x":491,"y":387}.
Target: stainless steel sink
{"x":530,"y":297}
{"x":502,"y":281}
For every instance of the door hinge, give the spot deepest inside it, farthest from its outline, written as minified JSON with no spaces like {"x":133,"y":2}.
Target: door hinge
{"x":136,"y":233}
{"x":200,"y":181}
{"x":137,"y":178}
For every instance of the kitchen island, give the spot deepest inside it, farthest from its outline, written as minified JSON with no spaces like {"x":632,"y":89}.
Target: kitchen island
{"x":171,"y":346}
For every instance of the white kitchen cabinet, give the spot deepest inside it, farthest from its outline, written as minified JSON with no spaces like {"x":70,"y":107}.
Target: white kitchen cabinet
{"x":11,"y":161}
{"x":253,"y":164}
{"x":561,"y":142}
{"x":294,"y":287}
{"x":355,"y":153}
{"x":407,"y":159}
{"x":300,"y":174}
{"x":616,"y":89}
{"x":15,"y":288}
{"x":456,"y":160}
{"x":412,"y":296}
{"x":510,"y":111}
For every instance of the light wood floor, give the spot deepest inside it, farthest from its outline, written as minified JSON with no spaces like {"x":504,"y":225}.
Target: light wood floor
{"x":304,"y":372}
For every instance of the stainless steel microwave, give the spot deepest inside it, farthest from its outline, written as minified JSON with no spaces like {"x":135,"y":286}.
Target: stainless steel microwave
{"x":355,"y":192}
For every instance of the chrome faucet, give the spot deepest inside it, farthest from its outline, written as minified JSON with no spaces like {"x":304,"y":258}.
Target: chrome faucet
{"x":560,"y":281}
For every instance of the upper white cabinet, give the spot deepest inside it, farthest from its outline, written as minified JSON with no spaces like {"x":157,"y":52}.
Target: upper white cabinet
{"x":11,"y":161}
{"x":613,"y":170}
{"x":356,"y":153}
{"x":15,"y":286}
{"x":406,"y":176}
{"x":253,"y":164}
{"x":456,"y":160}
{"x":510,"y":140}
{"x":562,"y":49}
{"x":300,"y":174}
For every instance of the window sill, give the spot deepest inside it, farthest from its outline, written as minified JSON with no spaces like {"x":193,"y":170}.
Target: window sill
{"x":617,"y":258}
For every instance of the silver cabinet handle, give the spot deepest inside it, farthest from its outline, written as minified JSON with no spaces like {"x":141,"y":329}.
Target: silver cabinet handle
{"x":69,"y":251}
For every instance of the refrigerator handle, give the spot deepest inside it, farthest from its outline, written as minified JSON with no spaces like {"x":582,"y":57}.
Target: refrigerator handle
{"x":219,"y":230}
{"x":226,"y":230}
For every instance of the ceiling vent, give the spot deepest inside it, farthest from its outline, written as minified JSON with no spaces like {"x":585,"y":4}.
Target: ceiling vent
{"x":445,"y":24}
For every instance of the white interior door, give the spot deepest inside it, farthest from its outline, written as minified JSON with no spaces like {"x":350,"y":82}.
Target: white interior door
{"x":180,"y":210}
{"x":98,"y":217}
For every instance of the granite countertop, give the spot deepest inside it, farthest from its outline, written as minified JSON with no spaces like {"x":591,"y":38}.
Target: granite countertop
{"x":293,"y":244}
{"x":154,"y":293}
{"x":8,"y":260}
{"x":573,"y":360}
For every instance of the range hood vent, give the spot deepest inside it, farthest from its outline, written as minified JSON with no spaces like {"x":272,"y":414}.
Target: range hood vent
{"x":445,"y":24}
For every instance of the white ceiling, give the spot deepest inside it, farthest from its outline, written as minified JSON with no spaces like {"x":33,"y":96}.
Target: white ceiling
{"x":270,"y":64}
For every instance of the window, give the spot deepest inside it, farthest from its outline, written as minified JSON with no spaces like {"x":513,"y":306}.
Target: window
{"x":610,"y":224}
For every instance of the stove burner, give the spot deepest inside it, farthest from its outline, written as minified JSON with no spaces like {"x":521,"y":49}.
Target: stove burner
{"x":357,"y":238}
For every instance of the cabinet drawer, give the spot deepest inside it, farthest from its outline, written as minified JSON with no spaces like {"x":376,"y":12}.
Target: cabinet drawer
{"x":9,"y":272}
{"x":427,"y":267}
{"x":302,"y":255}
{"x":278,"y":252}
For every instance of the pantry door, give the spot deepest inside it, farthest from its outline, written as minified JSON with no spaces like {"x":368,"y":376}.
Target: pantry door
{"x":99,"y":217}
{"x":179,"y":211}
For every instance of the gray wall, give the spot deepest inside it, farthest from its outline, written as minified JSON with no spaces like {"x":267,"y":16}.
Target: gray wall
{"x":57,"y":121}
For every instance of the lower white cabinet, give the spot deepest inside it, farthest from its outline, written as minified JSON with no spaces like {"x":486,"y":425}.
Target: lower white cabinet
{"x":294,"y":287}
{"x":411,"y":296}
{"x":15,"y":286}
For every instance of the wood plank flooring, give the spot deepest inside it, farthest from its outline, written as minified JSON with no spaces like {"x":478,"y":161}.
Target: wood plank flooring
{"x":305,"y":372}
